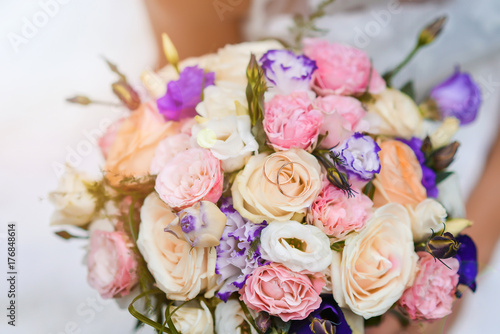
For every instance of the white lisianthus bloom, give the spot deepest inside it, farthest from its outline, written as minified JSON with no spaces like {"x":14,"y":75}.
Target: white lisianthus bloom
{"x":298,"y":247}
{"x":397,"y":112}
{"x":429,"y":215}
{"x":377,"y":264}
{"x":193,"y":320}
{"x":181,"y":271}
{"x":74,"y":204}
{"x":223,"y":99}
{"x":229,"y":318}
{"x":229,"y":139}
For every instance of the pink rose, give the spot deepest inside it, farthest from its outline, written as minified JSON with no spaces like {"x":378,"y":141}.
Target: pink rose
{"x":191,"y":176}
{"x":342,"y":69}
{"x":281,"y":292}
{"x":336,"y":214}
{"x":343,"y":115}
{"x":291,"y":122}
{"x":433,"y":291}
{"x":167,"y":149}
{"x":112,"y":264}
{"x":107,"y":140}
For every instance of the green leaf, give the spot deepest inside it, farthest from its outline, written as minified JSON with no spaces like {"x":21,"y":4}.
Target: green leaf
{"x":375,"y":321}
{"x":66,"y":235}
{"x":409,"y":89}
{"x":369,"y":189}
{"x":143,"y":318}
{"x":441,"y":176}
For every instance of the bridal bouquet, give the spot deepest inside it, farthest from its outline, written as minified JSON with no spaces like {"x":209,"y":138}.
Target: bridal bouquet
{"x":268,"y":190}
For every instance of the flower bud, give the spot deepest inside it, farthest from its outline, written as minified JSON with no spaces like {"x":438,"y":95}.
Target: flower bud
{"x":443,"y":135}
{"x":263,"y":321}
{"x":443,"y":246}
{"x":201,"y":225}
{"x":430,"y":32}
{"x":126,"y":94}
{"x":170,"y":51}
{"x":322,"y":326}
{"x":80,"y":99}
{"x":444,"y":156}
{"x":457,"y":225}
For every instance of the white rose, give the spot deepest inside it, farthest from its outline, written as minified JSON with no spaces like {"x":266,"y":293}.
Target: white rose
{"x":298,"y":247}
{"x":450,"y":195}
{"x":398,"y":113}
{"x":229,"y":139}
{"x":229,"y":318}
{"x":428,"y":214}
{"x":193,"y":320}
{"x":223,"y":99}
{"x":74,"y":204}
{"x":376,"y":265}
{"x":231,"y":61}
{"x":180,"y":270}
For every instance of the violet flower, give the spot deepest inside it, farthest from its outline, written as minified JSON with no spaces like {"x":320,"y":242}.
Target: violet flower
{"x":286,"y":71}
{"x":458,"y":96}
{"x":184,"y":94}
{"x":360,"y":155}
{"x":330,"y":311}
{"x":237,"y":254}
{"x":467,"y":256}
{"x":428,"y":175}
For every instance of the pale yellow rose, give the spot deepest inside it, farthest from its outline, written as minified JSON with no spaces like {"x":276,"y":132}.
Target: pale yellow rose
{"x":397,"y":112}
{"x":135,"y":144}
{"x":428,"y":216}
{"x":376,"y":265}
{"x":193,"y":320}
{"x":181,"y":271}
{"x":258,"y":197}
{"x":223,"y":100}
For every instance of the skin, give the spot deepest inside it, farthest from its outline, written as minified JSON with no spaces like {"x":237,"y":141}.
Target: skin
{"x":196,"y":28}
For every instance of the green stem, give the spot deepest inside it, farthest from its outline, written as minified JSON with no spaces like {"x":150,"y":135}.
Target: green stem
{"x":249,"y":316}
{"x":131,"y":220}
{"x":389,"y":75}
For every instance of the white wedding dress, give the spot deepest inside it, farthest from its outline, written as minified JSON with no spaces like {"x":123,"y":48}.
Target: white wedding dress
{"x":387,"y":32}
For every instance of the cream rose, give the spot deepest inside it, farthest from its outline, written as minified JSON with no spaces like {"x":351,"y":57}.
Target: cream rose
{"x":377,"y":264}
{"x":429,"y":215}
{"x":193,"y":320}
{"x":298,"y":247}
{"x":230,"y":318}
{"x":224,"y":99}
{"x":181,"y":271}
{"x":399,"y":115}
{"x":74,"y":204}
{"x":257,"y":195}
{"x":229,"y":139}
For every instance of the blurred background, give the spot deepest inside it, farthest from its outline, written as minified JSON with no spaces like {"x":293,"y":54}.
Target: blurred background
{"x":53,"y":49}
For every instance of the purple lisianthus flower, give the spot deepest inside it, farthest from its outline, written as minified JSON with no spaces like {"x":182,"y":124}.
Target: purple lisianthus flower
{"x":428,"y":175}
{"x":237,"y":254}
{"x":360,"y":156}
{"x":329,"y":310}
{"x":458,"y":96}
{"x":286,"y":71}
{"x":184,"y":93}
{"x":467,"y":256}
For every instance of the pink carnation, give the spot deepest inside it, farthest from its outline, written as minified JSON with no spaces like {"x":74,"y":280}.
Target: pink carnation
{"x":107,"y":140}
{"x":167,"y":149}
{"x":191,"y":176}
{"x":336,"y":214}
{"x":111,"y":264}
{"x":291,"y":122}
{"x":277,"y":290}
{"x":432,"y":294}
{"x":342,"y":69}
{"x":343,"y":115}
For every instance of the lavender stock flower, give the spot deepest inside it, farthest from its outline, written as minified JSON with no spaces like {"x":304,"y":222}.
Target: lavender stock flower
{"x":236,"y":259}
{"x":286,"y":71}
{"x":360,"y":154}
{"x":184,"y":94}
{"x":458,"y":96}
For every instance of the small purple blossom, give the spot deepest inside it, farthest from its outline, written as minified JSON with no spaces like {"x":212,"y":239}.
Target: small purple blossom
{"x":188,"y":223}
{"x":458,"y":96}
{"x":286,"y":71}
{"x":237,"y":254}
{"x":467,"y":256}
{"x":360,"y":154}
{"x":428,"y":175}
{"x":184,"y":93}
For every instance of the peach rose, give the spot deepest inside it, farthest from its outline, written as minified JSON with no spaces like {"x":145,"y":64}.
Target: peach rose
{"x":280,"y":292}
{"x":167,"y":149}
{"x":191,"y":176}
{"x":256,"y":194}
{"x":181,"y":271}
{"x":107,"y":140}
{"x":376,"y":265}
{"x":135,"y":144}
{"x":400,"y":177}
